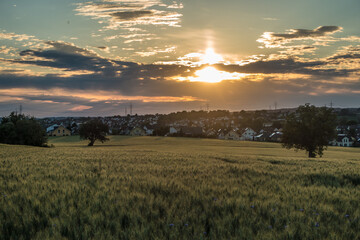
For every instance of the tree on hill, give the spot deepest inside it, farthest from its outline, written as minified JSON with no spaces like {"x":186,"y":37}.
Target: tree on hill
{"x":94,"y":130}
{"x":22,"y":130}
{"x":309,"y":128}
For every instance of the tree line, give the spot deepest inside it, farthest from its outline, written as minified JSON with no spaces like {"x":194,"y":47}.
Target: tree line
{"x":310,"y":128}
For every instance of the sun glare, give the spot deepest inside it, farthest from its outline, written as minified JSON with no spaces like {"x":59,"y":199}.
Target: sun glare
{"x":212,"y":75}
{"x":210,"y":57}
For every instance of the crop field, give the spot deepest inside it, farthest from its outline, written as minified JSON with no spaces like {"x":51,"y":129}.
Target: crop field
{"x":177,"y":188}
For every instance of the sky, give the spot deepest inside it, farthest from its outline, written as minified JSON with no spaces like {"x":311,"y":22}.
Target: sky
{"x":96,"y":58}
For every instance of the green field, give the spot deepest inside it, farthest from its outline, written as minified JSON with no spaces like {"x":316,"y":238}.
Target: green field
{"x":177,"y":188}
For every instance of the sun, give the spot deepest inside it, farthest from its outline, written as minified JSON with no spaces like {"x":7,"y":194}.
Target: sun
{"x":209,"y":74}
{"x":212,"y":75}
{"x":210,"y":57}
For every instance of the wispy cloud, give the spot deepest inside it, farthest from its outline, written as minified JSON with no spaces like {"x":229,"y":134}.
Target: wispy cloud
{"x":151,"y":51}
{"x":270,"y":19}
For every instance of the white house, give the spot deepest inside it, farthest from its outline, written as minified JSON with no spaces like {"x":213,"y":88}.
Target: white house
{"x":248,"y":134}
{"x":342,"y":141}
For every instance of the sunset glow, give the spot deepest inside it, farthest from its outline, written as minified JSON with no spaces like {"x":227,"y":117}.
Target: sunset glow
{"x":212,"y":75}
{"x":93,"y":57}
{"x":210,"y":57}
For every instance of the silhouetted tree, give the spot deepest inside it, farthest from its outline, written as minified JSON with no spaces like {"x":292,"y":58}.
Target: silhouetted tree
{"x":309,"y":128}
{"x":94,"y":130}
{"x":23,"y":130}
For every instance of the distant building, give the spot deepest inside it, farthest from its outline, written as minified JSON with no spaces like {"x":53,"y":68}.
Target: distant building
{"x":248,"y":135}
{"x":137,"y":132}
{"x":262,"y":137}
{"x":232,"y":135}
{"x":211,"y":133}
{"x":221,"y":134}
{"x":342,"y":141}
{"x":275,"y":136}
{"x":57,"y":131}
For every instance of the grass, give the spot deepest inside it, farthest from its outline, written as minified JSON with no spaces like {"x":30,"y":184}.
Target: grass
{"x":177,"y":188}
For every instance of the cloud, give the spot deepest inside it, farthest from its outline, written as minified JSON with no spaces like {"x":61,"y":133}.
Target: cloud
{"x":17,"y":37}
{"x":10,"y":51}
{"x":73,"y":76}
{"x":348,"y":52}
{"x":176,"y":5}
{"x":298,"y":50}
{"x":68,"y":57}
{"x":151,"y":51}
{"x":80,"y":108}
{"x":278,"y":40}
{"x":104,"y":49}
{"x":270,"y":19}
{"x":125,"y":14}
{"x":131,"y":15}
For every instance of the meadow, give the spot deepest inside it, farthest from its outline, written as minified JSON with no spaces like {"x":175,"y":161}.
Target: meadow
{"x":177,"y":188}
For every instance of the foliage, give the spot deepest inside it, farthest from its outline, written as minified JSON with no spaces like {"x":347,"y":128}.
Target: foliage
{"x":94,"y":130}
{"x":23,"y":130}
{"x":309,"y":128}
{"x":177,"y":188}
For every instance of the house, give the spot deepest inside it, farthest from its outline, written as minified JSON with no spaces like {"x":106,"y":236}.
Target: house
{"x":275,"y":136}
{"x":51,"y":128}
{"x":262,"y":137}
{"x":342,"y":141}
{"x":58,"y":130}
{"x":221,"y":134}
{"x":211,"y":133}
{"x":248,"y":135}
{"x":136,"y":131}
{"x":232,"y":135}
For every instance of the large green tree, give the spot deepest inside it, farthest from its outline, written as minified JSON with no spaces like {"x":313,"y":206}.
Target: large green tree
{"x":94,"y":130}
{"x":310,"y":128}
{"x":23,"y":130}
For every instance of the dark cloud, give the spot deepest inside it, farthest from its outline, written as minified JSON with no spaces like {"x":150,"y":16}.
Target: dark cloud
{"x":305,"y":33}
{"x":283,"y":66}
{"x":139,"y":79}
{"x":131,"y":15}
{"x":71,"y":58}
{"x":154,"y":80}
{"x":271,"y":39}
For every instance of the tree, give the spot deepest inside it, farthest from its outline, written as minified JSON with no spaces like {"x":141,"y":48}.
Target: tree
{"x":309,"y":128}
{"x":23,"y":130}
{"x":94,"y":130}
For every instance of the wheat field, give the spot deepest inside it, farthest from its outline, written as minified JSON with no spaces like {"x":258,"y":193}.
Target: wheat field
{"x":177,"y":188}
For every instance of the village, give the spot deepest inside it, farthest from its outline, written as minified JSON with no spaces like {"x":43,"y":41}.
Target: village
{"x":263,"y":126}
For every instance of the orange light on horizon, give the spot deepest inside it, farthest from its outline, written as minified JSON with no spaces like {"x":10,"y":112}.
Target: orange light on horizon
{"x":210,"y":74}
